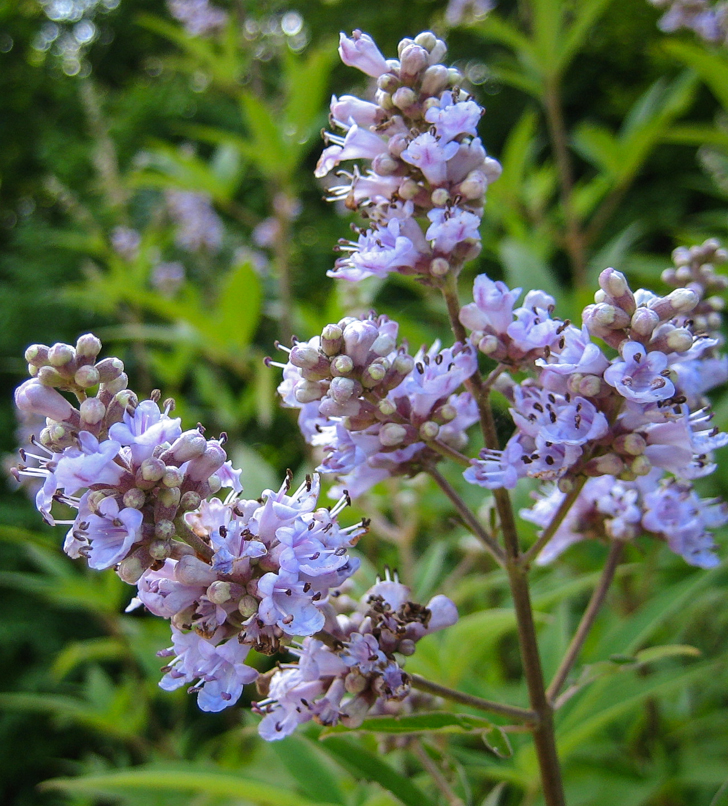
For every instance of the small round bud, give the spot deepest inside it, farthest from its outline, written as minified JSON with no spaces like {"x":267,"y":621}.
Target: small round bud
{"x":307,"y":392}
{"x":164,"y":530}
{"x":355,"y":682}
{"x":160,"y":549}
{"x":37,"y":355}
{"x":408,"y":189}
{"x":117,"y":385}
{"x":474,"y":185}
{"x":304,"y":356}
{"x":33,"y":370}
{"x":599,"y":296}
{"x":383,"y":345}
{"x":413,"y":60}
{"x":169,"y":497}
{"x":683,"y":300}
{"x":86,"y":377}
{"x":403,"y":364}
{"x":248,"y":605}
{"x":404,"y":98}
{"x":680,"y":340}
{"x":95,"y":498}
{"x":454,"y":76}
{"x":590,"y":386}
{"x":173,"y":476}
{"x":92,"y":411}
{"x":439,"y":267}
{"x":440,"y":197}
{"x":641,"y":465}
{"x":219,"y":592}
{"x":447,"y":413}
{"x":61,"y":354}
{"x":374,"y":374}
{"x":331,"y":339}
{"x":343,"y":389}
{"x":429,"y":430}
{"x":388,"y":83}
{"x":152,"y":469}
{"x":190,"y":500}
{"x":426,"y":40}
{"x":406,"y":647}
{"x":88,"y":346}
{"x":614,"y":283}
{"x":342,"y":365}
{"x":489,"y":344}
{"x":109,"y":369}
{"x":565,"y":484}
{"x":130,"y":570}
{"x":135,"y":498}
{"x":396,"y":144}
{"x":50,"y":377}
{"x":644,"y":321}
{"x":631,"y":444}
{"x":383,"y":99}
{"x":386,"y":407}
{"x":392,"y":434}
{"x":434,"y":80}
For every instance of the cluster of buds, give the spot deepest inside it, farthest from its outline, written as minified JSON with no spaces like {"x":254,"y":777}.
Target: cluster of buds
{"x":230,"y":575}
{"x":708,"y":21}
{"x":374,"y":409}
{"x":427,"y":163}
{"x":632,"y":418}
{"x":357,"y":669}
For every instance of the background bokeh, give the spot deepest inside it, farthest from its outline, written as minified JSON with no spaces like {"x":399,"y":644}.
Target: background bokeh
{"x":156,"y":187}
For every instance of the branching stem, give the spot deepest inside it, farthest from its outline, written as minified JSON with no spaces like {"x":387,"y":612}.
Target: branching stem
{"x":587,"y":620}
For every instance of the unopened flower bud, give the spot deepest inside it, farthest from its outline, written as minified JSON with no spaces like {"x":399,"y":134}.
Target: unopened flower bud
{"x":440,"y":197}
{"x":608,"y":465}
{"x":565,"y":484}
{"x":434,"y":79}
{"x":413,"y":60}
{"x":455,"y":77}
{"x":392,"y":434}
{"x":192,"y":571}
{"x":473,"y":186}
{"x":115,"y":386}
{"x":32,"y":397}
{"x":304,"y":356}
{"x":386,"y":407}
{"x":373,"y":374}
{"x":641,"y":465}
{"x":447,"y":413}
{"x":426,"y":40}
{"x":130,"y":570}
{"x":383,"y":345}
{"x":439,"y":267}
{"x":86,"y":376}
{"x":88,"y":346}
{"x":37,"y":355}
{"x":404,"y":98}
{"x":384,"y":100}
{"x":342,"y":365}
{"x":590,"y":386}
{"x":680,"y":340}
{"x":644,"y":321}
{"x":152,"y":469}
{"x":134,"y":498}
{"x":384,"y":165}
{"x":49,"y":376}
{"x":396,"y":144}
{"x":173,"y":476}
{"x":61,"y":354}
{"x":355,"y":682}
{"x":190,"y":500}
{"x":94,"y":499}
{"x":610,"y":316}
{"x":489,"y":344}
{"x":429,"y":430}
{"x":681,"y":300}
{"x":169,"y":496}
{"x":406,"y":647}
{"x":343,"y":389}
{"x":388,"y":83}
{"x":307,"y":392}
{"x":248,"y":605}
{"x":632,"y":444}
{"x":188,"y":446}
{"x":92,"y":411}
{"x":219,"y":592}
{"x":109,"y":369}
{"x":164,"y":530}
{"x":331,"y":339}
{"x":160,"y":549}
{"x":600,"y":296}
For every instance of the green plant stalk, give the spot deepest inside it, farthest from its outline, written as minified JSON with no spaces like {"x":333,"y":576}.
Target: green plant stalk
{"x":587,"y":621}
{"x":543,"y":732}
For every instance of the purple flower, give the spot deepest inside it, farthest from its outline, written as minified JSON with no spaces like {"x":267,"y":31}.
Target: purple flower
{"x":454,"y":118}
{"x":92,"y":463}
{"x":145,"y":429}
{"x":492,"y":310}
{"x":197,"y":16}
{"x":286,"y":603}
{"x":360,"y":51}
{"x":451,"y":227}
{"x":640,"y":376}
{"x":163,"y":594}
{"x":111,"y":533}
{"x":430,"y":155}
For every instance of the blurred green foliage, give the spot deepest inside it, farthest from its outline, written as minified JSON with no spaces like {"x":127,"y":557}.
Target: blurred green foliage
{"x":614,"y":147}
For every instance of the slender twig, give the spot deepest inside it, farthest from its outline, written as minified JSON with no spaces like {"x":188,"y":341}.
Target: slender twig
{"x":587,"y":620}
{"x":198,"y":544}
{"x":543,"y":733}
{"x":511,"y":711}
{"x":493,"y":377}
{"x":449,"y":453}
{"x":434,"y":771}
{"x":556,"y":521}
{"x":467,"y":515}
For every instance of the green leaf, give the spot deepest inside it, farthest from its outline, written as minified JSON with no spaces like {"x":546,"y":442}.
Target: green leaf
{"x":273,"y":156}
{"x":654,"y":653}
{"x":184,"y":780}
{"x":238,"y":307}
{"x":497,"y":741}
{"x":303,"y":762}
{"x":586,"y":14}
{"x":712,"y":67}
{"x":362,"y":763}
{"x":306,"y":84}
{"x":434,"y":721}
{"x":525,"y":268}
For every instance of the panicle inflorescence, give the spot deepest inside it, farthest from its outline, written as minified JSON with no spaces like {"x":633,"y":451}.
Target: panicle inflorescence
{"x":355,"y":670}
{"x":424,"y":189}
{"x":376,"y":410}
{"x":637,"y":423}
{"x":198,"y":17}
{"x":230,"y":575}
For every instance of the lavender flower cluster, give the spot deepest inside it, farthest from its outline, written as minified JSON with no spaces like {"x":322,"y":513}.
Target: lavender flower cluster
{"x":615,"y":407}
{"x":708,"y":21}
{"x":426,"y":162}
{"x":356,"y":673}
{"x":231,"y":575}
{"x":375,"y":410}
{"x":198,"y":17}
